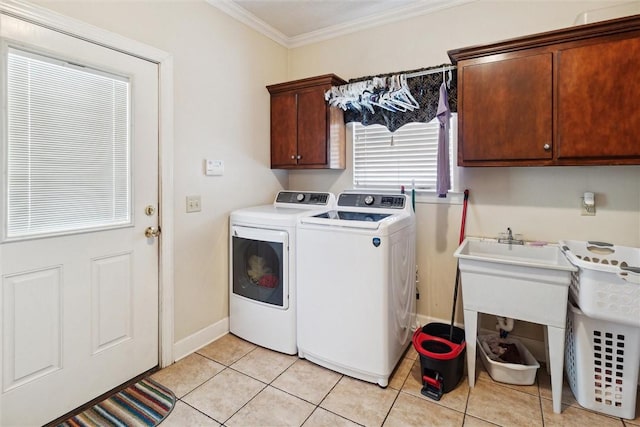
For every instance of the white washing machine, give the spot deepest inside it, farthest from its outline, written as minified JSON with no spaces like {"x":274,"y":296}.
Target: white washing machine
{"x":356,"y":301}
{"x":262,"y":268}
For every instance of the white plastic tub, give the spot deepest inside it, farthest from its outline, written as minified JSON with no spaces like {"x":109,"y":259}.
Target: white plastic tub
{"x":510,"y":373}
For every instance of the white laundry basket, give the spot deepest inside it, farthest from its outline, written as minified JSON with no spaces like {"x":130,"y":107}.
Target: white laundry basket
{"x":601,"y":361}
{"x":607,"y":283}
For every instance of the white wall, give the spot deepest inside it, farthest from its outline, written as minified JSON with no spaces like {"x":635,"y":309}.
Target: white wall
{"x":222,"y":112}
{"x":540,"y":203}
{"x":221,"y":109}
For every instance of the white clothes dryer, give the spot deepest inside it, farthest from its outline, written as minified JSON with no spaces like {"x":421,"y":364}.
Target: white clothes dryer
{"x":356,"y":302}
{"x":262,"y":268}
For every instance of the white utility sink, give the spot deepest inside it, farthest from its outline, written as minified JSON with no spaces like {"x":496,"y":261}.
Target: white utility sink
{"x":520,"y":281}
{"x":523,"y":282}
{"x":489,"y":250}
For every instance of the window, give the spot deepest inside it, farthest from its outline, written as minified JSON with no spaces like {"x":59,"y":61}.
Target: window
{"x":67,"y":147}
{"x":386,"y":161}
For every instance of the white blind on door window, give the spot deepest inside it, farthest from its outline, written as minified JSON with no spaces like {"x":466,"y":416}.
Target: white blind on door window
{"x":385,"y":160}
{"x":68,"y":149}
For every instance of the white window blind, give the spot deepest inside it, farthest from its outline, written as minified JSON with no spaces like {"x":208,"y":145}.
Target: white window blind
{"x":384,"y":160}
{"x":68,"y":149}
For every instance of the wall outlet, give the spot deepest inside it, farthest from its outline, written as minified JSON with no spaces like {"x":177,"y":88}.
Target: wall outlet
{"x":193,"y":204}
{"x":587,"y":210}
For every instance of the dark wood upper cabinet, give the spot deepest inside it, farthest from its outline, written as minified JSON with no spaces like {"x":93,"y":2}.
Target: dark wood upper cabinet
{"x":305,"y":132}
{"x":599,"y":101}
{"x":566,"y":97}
{"x":515,"y":98}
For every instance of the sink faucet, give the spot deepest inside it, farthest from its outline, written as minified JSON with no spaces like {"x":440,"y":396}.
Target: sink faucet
{"x":509,"y":239}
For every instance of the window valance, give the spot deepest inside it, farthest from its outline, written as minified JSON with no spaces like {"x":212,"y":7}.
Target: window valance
{"x":424,"y":88}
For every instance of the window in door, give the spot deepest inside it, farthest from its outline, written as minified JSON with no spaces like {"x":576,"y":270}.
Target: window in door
{"x":67,"y":153}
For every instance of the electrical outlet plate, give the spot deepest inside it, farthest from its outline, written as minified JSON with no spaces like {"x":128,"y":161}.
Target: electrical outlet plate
{"x":588,"y":210}
{"x":193,"y":204}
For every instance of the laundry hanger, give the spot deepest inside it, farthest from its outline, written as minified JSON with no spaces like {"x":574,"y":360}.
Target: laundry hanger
{"x":390,"y":93}
{"x":407,"y":91}
{"x":402,"y":98}
{"x":380,"y":96}
{"x":394,"y":99}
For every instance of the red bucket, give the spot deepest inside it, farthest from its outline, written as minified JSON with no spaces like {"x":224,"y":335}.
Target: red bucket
{"x":436,"y":347}
{"x":441,"y":358}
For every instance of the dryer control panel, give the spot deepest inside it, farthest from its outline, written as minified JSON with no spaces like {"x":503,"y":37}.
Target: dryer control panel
{"x":303,"y":198}
{"x":378,"y":201}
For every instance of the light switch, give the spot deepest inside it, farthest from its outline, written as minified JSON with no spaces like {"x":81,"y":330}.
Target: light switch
{"x":213,"y":167}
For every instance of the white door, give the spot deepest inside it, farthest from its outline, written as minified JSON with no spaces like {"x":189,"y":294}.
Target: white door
{"x":79,"y":299}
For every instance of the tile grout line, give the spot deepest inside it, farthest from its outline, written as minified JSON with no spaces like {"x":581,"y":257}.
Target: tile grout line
{"x":250,"y":400}
{"x":201,"y":384}
{"x":466,"y":404}
{"x":390,"y":408}
{"x":270,"y":384}
{"x":198,"y":410}
{"x":327,"y":395}
{"x":542,"y":399}
{"x":242,"y":373}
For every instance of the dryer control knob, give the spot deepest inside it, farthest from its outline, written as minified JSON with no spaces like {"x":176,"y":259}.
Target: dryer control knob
{"x":300,"y":197}
{"x":368,"y":200}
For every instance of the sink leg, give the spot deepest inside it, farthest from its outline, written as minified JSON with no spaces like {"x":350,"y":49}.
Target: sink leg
{"x":470,"y":332}
{"x":546,"y":350}
{"x":556,"y":361}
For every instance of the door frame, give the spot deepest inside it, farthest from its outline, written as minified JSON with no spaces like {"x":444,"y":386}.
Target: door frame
{"x":73,"y":27}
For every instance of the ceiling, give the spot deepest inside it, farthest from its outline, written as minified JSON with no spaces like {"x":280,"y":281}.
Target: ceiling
{"x":295,"y":23}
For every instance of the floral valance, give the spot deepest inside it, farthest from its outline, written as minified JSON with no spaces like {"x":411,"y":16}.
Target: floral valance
{"x":425,"y":89}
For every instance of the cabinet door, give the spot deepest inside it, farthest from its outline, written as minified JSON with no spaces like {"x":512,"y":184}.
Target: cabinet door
{"x":283,"y":130}
{"x":507,"y":110}
{"x":312,"y":127}
{"x":598,"y":93}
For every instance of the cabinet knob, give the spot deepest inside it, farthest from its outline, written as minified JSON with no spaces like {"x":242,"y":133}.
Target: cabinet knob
{"x":293,"y":157}
{"x":546,"y":147}
{"x":298,"y":157}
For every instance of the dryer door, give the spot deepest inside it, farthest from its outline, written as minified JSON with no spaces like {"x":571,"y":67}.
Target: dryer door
{"x":260,"y":265}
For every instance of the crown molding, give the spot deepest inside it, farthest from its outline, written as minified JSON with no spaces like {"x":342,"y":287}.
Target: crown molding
{"x":241,"y":14}
{"x":397,"y":14}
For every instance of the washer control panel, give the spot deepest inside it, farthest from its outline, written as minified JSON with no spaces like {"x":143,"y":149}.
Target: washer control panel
{"x":302,"y":198}
{"x":385,"y":201}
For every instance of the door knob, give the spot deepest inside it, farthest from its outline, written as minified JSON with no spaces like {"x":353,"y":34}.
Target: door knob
{"x":152,"y":232}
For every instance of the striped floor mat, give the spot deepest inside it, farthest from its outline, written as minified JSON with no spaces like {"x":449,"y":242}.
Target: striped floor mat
{"x":144,"y":403}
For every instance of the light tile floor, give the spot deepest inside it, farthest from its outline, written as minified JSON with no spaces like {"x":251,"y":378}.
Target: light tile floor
{"x":232,"y":382}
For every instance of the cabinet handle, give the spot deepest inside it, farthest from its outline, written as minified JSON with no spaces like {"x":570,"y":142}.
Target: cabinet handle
{"x":546,"y":147}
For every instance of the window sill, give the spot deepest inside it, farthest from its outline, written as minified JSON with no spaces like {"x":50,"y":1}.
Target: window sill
{"x":431,"y":198}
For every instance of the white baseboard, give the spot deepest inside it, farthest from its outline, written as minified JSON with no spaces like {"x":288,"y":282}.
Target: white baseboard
{"x":207,"y":335}
{"x":536,"y":347}
{"x":196,"y":341}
